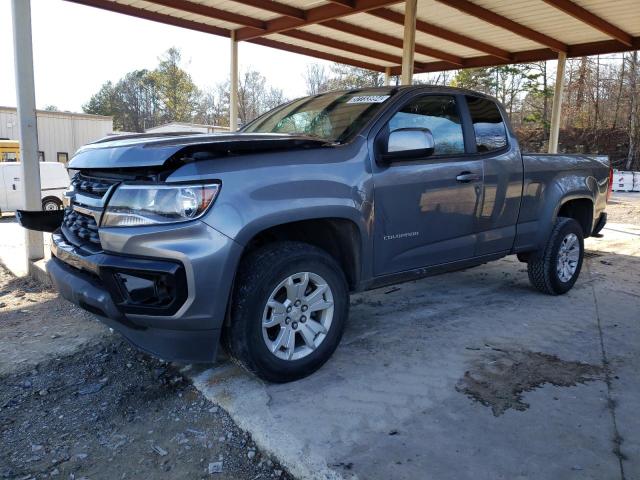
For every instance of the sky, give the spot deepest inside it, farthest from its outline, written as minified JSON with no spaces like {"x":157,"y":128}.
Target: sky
{"x":77,"y":48}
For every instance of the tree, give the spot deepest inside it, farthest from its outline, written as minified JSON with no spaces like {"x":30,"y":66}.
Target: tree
{"x":254,"y":95}
{"x":316,"y":79}
{"x":51,"y":108}
{"x":213,"y":106}
{"x":133,"y":102}
{"x":345,"y":77}
{"x":177,"y":91}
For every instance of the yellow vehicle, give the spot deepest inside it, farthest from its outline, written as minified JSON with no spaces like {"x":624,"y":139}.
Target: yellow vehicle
{"x":9,"y":151}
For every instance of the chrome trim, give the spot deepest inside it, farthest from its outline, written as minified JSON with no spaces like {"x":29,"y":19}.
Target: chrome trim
{"x":89,"y":201}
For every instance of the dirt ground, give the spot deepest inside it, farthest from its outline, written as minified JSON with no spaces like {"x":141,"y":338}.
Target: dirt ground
{"x":105,"y":411}
{"x":624,"y":208}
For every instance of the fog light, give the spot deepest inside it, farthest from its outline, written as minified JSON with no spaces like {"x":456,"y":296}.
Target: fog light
{"x":147,"y":289}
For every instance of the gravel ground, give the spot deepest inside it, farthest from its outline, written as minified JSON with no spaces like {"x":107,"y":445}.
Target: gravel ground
{"x":79,"y":403}
{"x":36,"y":325}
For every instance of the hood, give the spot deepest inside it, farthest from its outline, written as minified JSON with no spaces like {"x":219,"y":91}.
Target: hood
{"x":153,"y":150}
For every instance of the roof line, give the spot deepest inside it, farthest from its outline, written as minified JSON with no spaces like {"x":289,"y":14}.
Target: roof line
{"x":437,"y":31}
{"x":592,"y":20}
{"x":390,"y":40}
{"x":275,"y":7}
{"x":312,"y":16}
{"x":267,"y":42}
{"x":56,"y":112}
{"x":503,"y":22}
{"x":211,"y":12}
{"x":527,"y":56}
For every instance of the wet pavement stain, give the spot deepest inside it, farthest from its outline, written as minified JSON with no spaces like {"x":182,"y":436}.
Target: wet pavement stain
{"x":499,"y":377}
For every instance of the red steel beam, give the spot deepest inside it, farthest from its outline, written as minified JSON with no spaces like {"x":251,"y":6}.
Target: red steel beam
{"x":267,"y":42}
{"x":585,"y":16}
{"x":313,"y":15}
{"x":389,"y":40}
{"x":579,"y":50}
{"x":503,"y":22}
{"x":275,"y":7}
{"x":153,"y":16}
{"x":339,"y":45}
{"x":211,"y":12}
{"x":437,"y":31}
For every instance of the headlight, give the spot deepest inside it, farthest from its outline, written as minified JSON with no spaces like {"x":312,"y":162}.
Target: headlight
{"x":135,"y":205}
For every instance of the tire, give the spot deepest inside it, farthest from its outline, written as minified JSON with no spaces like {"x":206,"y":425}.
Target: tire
{"x":51,"y":203}
{"x":543,"y":267}
{"x":254,"y":344}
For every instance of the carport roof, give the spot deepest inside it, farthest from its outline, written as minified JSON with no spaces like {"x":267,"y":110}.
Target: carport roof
{"x":450,"y":34}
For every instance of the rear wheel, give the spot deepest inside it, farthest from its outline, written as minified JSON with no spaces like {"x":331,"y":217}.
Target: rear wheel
{"x":556,"y":269}
{"x":289,"y":308}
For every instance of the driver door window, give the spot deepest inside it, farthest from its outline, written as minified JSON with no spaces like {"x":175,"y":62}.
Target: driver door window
{"x":438,"y":113}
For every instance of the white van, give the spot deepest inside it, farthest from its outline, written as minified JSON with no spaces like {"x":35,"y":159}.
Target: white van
{"x":53,"y":178}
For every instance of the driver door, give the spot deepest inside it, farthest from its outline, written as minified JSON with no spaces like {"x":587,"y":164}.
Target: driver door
{"x":426,"y":208}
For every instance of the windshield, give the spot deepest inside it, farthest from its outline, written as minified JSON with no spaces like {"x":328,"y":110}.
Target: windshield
{"x":334,"y":116}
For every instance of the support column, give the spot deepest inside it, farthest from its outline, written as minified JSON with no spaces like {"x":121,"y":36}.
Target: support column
{"x":556,"y":109}
{"x":409,"y":42}
{"x":25,"y":93}
{"x":233,"y":97}
{"x":387,"y":76}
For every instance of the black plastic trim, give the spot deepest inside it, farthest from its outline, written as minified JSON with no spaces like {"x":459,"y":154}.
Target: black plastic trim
{"x":41,"y":221}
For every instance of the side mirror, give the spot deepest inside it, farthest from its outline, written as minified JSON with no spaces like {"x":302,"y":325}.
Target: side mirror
{"x":409,"y":143}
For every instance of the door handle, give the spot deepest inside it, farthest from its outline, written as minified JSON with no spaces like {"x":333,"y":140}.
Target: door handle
{"x":466,"y":177}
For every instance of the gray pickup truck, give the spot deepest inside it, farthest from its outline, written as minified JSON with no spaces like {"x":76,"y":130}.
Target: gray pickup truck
{"x":258,"y":237}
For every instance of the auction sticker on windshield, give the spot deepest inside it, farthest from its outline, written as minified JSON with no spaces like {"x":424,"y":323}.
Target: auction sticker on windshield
{"x":369,"y":99}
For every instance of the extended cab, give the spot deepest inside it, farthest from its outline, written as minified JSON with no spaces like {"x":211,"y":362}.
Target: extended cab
{"x":260,"y":236}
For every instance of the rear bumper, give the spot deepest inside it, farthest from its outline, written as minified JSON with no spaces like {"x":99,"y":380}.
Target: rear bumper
{"x":195,"y":259}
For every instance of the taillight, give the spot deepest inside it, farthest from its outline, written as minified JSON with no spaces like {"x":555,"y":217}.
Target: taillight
{"x":610,"y":183}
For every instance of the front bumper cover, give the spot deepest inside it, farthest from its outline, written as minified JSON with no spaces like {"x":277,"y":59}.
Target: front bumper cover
{"x":90,"y":281}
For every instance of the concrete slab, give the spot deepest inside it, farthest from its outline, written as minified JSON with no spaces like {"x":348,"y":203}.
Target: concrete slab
{"x":395,"y":400}
{"x":12,"y":247}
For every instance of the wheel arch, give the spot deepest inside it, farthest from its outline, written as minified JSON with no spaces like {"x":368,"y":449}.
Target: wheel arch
{"x":338,"y":236}
{"x":581,"y":209}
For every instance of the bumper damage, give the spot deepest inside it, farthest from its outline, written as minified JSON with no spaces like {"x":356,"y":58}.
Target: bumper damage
{"x":168,"y":303}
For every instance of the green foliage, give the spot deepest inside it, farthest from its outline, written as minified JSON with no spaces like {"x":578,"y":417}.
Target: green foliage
{"x":144,"y":99}
{"x":176,"y":90}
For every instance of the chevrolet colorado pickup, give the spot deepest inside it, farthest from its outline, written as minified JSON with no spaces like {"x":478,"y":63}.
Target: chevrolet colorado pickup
{"x":258,"y":237}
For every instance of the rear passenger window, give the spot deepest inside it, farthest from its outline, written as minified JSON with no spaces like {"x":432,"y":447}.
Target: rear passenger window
{"x":437,"y":113}
{"x":488,"y":125}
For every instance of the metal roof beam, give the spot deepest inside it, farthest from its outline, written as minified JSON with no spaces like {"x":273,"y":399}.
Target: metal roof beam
{"x":389,"y":40}
{"x":437,"y":31}
{"x":154,"y":16}
{"x":313,"y":15}
{"x":267,"y":42}
{"x":275,"y":7}
{"x":339,"y":45}
{"x":528,"y":56}
{"x":503,"y":22}
{"x":592,"y":20}
{"x":211,"y":12}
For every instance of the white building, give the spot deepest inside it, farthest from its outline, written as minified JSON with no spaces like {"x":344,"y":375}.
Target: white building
{"x":60,"y":134}
{"x":186,"y":127}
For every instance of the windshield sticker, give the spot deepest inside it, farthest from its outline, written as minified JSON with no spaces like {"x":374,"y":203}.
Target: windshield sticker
{"x":369,"y":99}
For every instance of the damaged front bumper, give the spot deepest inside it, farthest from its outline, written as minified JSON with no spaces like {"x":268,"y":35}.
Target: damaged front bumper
{"x":165,"y":288}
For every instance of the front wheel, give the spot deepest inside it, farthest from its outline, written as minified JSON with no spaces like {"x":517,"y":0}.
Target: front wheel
{"x":289,"y":308}
{"x":556,"y":269}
